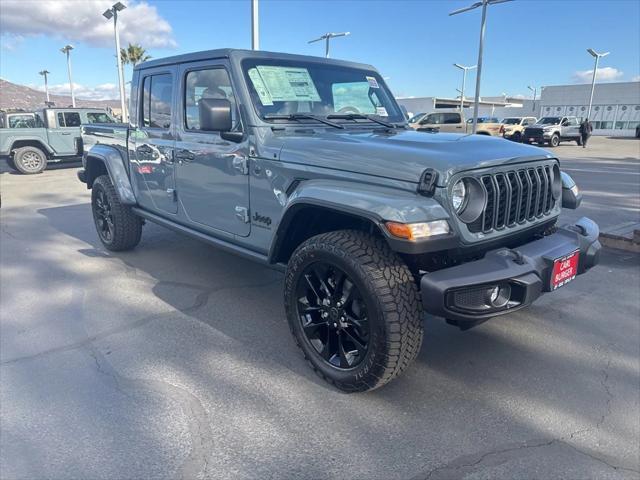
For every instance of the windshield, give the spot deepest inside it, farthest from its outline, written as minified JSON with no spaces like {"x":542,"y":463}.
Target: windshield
{"x":511,"y":121}
{"x":549,"y":121}
{"x":288,"y":87}
{"x":416,"y":118}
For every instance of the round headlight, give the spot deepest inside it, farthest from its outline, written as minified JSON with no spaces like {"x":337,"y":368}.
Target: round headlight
{"x":468,"y":198}
{"x":458,"y":195}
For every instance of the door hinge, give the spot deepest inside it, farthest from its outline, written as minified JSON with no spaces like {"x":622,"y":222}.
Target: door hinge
{"x":241,"y":164}
{"x":242,"y":213}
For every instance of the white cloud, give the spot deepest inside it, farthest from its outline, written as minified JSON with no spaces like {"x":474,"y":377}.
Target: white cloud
{"x":10,"y":42}
{"x":105,"y":91}
{"x":605,"y":74}
{"x":636,"y":78}
{"x":73,"y":20}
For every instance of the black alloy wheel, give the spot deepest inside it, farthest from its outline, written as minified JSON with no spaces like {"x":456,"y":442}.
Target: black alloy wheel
{"x":103,"y":216}
{"x":333,"y":315}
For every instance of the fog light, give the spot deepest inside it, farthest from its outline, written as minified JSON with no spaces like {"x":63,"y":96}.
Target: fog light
{"x":499,"y":295}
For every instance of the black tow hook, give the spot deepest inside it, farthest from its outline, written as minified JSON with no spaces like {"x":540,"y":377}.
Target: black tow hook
{"x":518,"y":258}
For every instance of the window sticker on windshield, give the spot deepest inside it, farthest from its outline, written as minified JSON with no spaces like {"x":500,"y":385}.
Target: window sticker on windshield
{"x":373,"y":83}
{"x":288,"y":84}
{"x":381,"y":112}
{"x":258,"y":84}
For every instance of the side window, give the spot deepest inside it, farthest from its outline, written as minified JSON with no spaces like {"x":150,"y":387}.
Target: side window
{"x":209,"y":83}
{"x":432,"y":118}
{"x":157,"y":93}
{"x":450,"y":118}
{"x":69,"y":119}
{"x":98,"y":117}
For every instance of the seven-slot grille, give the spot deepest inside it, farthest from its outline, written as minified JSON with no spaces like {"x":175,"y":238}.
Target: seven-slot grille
{"x":515,"y":197}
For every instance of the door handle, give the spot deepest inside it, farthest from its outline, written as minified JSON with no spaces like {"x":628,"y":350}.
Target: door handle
{"x":65,"y":133}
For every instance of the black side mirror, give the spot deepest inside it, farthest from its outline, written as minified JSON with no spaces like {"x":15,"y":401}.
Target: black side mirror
{"x":215,"y":114}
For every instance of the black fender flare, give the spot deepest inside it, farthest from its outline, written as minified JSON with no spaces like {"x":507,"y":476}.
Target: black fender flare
{"x":114,"y":163}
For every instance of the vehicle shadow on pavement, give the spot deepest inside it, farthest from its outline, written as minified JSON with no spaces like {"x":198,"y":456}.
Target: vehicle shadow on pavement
{"x":499,"y":393}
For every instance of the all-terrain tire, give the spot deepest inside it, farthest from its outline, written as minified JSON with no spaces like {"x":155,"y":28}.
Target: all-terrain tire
{"x":390,"y":293}
{"x":555,"y":140}
{"x":126,"y":227}
{"x":29,"y":160}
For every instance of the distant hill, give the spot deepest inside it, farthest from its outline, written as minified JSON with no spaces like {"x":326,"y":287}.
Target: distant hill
{"x":13,"y":96}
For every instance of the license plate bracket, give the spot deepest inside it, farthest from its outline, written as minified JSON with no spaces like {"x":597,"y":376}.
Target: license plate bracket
{"x":564,"y":269}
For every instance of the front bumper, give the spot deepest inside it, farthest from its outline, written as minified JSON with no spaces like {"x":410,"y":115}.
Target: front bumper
{"x":526,"y":269}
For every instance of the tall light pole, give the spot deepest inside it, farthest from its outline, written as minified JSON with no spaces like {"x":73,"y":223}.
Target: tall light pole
{"x":597,"y":56}
{"x":484,"y":4}
{"x":255,"y":26}
{"x":66,"y":49}
{"x":326,"y":37}
{"x":44,"y":73}
{"x":109,"y":14}
{"x":535,"y":92}
{"x":464,"y":79}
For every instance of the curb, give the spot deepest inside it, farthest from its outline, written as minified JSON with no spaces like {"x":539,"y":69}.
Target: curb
{"x":625,"y":236}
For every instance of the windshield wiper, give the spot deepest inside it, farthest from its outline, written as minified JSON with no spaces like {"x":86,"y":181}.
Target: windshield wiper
{"x":301,"y":116}
{"x":360,"y":116}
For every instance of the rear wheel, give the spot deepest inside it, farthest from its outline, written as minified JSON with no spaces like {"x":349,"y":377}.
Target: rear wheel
{"x":117,"y":226}
{"x":353,"y":308}
{"x":29,"y":160}
{"x":555,"y":140}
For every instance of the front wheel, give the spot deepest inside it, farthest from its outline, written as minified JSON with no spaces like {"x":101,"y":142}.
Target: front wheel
{"x":517,"y":137}
{"x":555,"y":140}
{"x":353,"y":308}
{"x":29,"y":160}
{"x":117,"y":226}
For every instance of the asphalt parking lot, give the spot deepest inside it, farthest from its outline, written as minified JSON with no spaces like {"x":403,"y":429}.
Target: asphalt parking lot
{"x":175,"y":361}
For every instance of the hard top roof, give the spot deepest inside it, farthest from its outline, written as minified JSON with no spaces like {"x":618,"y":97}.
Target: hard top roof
{"x":242,"y":54}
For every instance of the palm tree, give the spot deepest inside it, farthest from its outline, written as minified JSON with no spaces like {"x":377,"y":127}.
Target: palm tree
{"x":134,"y":54}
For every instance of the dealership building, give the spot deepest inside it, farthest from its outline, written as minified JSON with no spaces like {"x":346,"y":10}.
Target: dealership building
{"x":615,"y":110}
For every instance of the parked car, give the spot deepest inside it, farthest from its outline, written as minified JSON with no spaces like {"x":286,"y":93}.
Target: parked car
{"x":31,"y":140}
{"x":553,"y":130}
{"x":514,"y":127}
{"x":262,"y":155}
{"x":454,"y":122}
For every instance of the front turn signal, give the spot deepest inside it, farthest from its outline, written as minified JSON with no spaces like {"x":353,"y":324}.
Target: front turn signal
{"x":417,"y":231}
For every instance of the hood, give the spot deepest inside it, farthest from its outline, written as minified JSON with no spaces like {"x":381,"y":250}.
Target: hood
{"x":405,"y":154}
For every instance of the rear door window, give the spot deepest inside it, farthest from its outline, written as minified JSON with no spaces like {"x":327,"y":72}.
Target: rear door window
{"x":157,"y":95}
{"x":450,"y":118}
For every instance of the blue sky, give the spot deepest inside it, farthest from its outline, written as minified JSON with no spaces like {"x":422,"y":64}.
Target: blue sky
{"x":528,"y":42}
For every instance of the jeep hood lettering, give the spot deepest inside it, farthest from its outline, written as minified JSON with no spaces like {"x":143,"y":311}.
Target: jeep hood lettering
{"x":405,"y":154}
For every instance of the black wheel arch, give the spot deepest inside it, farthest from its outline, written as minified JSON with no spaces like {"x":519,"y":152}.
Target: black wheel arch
{"x":31,"y":143}
{"x":304,"y":220}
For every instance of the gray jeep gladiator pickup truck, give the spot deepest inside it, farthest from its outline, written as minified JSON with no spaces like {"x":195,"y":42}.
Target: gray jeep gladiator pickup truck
{"x":307,"y":164}
{"x":31,"y":140}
